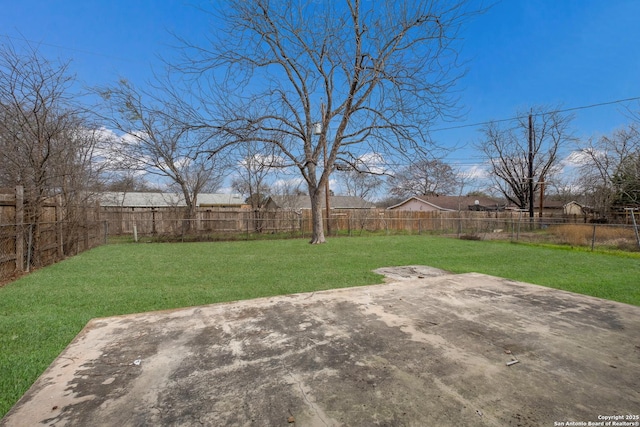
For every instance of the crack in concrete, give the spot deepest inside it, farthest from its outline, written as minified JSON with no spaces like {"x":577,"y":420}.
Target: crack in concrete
{"x":298,"y":381}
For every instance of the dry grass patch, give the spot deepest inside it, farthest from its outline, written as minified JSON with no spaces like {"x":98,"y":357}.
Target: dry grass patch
{"x":619,"y":237}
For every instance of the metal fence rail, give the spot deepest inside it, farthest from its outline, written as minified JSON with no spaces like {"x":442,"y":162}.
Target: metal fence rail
{"x":601,"y":236}
{"x":27,"y":246}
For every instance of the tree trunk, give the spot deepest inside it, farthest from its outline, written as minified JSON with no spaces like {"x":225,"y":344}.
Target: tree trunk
{"x":316,"y":216}
{"x":190,"y":210}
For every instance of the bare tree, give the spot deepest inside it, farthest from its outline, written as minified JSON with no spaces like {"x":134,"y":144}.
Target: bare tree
{"x":257,"y":163}
{"x":627,"y":182}
{"x":319,"y":76}
{"x":610,"y":171}
{"x":46,"y":142}
{"x":35,"y":115}
{"x":508,"y":154}
{"x":363,"y":176}
{"x":157,"y":140}
{"x":359,"y":184}
{"x":128,"y":181}
{"x":424,"y":177}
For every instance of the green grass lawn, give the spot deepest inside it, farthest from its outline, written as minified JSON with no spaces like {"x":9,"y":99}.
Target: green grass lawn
{"x":42,"y":312}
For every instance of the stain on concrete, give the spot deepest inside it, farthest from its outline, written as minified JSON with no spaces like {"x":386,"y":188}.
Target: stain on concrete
{"x":430,"y":349}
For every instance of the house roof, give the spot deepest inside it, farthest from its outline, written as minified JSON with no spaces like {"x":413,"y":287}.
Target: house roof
{"x":453,"y":203}
{"x":550,"y":203}
{"x":304,"y":202}
{"x":158,"y":200}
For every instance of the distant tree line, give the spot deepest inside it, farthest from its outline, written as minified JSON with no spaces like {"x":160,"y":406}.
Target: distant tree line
{"x":277,"y":106}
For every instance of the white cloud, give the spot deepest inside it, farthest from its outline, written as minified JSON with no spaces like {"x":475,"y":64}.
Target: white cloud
{"x":474,"y":172}
{"x":226,"y":190}
{"x":371,"y":162}
{"x":183,"y":162}
{"x":109,"y":154}
{"x":575,"y":159}
{"x":285,"y":185}
{"x":259,"y":160}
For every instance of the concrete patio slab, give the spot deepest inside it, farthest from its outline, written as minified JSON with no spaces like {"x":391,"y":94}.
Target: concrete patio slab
{"x":428,"y":349}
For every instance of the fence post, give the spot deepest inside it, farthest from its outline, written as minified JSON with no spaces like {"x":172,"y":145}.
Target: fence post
{"x":19,"y":228}
{"x":512,"y":223}
{"x":593,"y":237}
{"x":59,"y":216}
{"x":635,"y":225}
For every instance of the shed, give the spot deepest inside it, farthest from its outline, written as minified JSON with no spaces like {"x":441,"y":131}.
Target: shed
{"x":574,"y":208}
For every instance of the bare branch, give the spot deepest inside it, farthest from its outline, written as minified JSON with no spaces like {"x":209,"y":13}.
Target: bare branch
{"x":373,"y":74}
{"x":507,"y":151}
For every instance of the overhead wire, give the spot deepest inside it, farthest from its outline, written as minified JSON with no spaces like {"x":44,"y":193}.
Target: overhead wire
{"x":460,"y":126}
{"x":540,"y":113}
{"x":440,"y":129}
{"x":468,"y":162}
{"x":85,"y":52}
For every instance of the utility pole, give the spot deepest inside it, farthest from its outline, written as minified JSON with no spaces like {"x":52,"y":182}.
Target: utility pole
{"x":530,"y":166}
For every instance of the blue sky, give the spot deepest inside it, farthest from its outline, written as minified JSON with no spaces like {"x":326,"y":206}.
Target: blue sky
{"x":520,"y":53}
{"x":560,"y":53}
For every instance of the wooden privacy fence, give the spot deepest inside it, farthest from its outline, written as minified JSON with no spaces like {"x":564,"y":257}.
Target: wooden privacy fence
{"x":64,"y":230}
{"x":170,"y":222}
{"x":61,"y":231}
{"x":240,"y":224}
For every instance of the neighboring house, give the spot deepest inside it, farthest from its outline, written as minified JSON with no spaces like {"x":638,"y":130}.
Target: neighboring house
{"x":549,"y":208}
{"x":298,"y":203}
{"x":557,"y":208}
{"x":149,"y":200}
{"x":448,"y":204}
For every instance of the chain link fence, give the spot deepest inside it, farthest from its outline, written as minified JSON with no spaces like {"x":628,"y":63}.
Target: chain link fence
{"x":516,"y":229}
{"x":24,"y":247}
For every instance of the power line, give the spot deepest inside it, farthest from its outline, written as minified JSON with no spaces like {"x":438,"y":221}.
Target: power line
{"x":85,"y":52}
{"x":564,"y":110}
{"x":584,"y":107}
